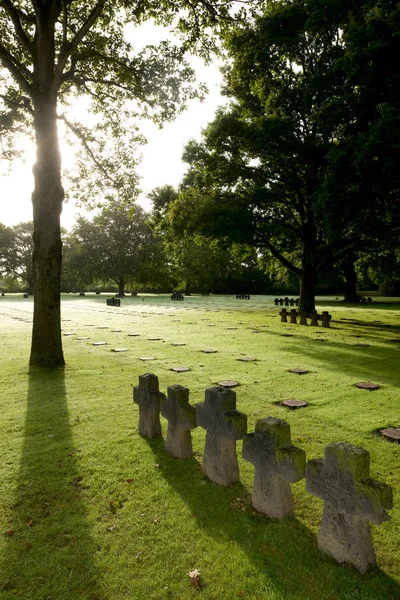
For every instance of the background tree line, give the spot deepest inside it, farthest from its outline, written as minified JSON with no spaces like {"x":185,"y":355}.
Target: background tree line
{"x":122,"y":251}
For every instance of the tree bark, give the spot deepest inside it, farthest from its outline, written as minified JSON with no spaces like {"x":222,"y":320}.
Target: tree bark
{"x":350,"y":276}
{"x":121,"y":286}
{"x":308,"y":282}
{"x":47,"y":198}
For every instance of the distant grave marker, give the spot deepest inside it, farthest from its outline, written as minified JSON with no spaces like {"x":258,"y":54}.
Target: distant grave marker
{"x":208,"y":351}
{"x":228,"y":383}
{"x":247,"y":359}
{"x":298,"y":371}
{"x":82,"y":338}
{"x":294,"y":404}
{"x":392,"y":434}
{"x":99,"y":344}
{"x":367,"y":385}
{"x":144,"y":358}
{"x":119,"y":350}
{"x":180,"y":369}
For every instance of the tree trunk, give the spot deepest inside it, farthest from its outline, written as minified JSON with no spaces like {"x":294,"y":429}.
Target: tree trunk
{"x":308,"y":282}
{"x":47,"y":198}
{"x":121,"y":286}
{"x":350,"y":276}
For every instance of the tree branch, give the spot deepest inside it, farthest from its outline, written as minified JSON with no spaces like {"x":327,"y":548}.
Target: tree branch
{"x":15,"y":17}
{"x":17,"y":70}
{"x":286,"y":263}
{"x":69,"y":47}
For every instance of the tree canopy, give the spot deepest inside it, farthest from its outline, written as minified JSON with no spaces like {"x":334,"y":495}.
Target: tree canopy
{"x":287,"y":164}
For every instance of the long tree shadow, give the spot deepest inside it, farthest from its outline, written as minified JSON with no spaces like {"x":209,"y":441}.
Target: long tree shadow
{"x":50,"y":552}
{"x":284,"y":553}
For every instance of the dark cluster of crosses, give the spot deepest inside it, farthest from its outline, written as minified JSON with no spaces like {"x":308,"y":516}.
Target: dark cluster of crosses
{"x":363,"y":299}
{"x":314,"y":317}
{"x":113,"y":302}
{"x":286,"y":301}
{"x":242,"y":296}
{"x":341,"y":479}
{"x":177,"y":296}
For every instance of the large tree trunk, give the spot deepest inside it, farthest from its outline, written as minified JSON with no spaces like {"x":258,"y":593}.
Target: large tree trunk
{"x":47,"y":198}
{"x":350,"y":276}
{"x":308,"y":282}
{"x":121,"y":286}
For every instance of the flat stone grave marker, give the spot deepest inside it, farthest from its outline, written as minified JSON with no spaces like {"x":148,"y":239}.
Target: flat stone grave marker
{"x":392,"y":434}
{"x":148,"y":397}
{"x":320,"y":339}
{"x":102,"y":327}
{"x":351,"y":499}
{"x":294,"y":404}
{"x":231,"y":328}
{"x":82,"y":338}
{"x":181,"y":418}
{"x":99,"y":344}
{"x":247,"y":359}
{"x":69,"y":333}
{"x":286,"y":334}
{"x":178,"y":344}
{"x":154,"y":339}
{"x":146,"y":358}
{"x":180,"y":369}
{"x":277,"y":463}
{"x":116,"y":330}
{"x":208,"y":351}
{"x":228,"y":383}
{"x":298,"y":371}
{"x":119,"y":350}
{"x":133,"y":334}
{"x":367,"y":385}
{"x":224,"y":426}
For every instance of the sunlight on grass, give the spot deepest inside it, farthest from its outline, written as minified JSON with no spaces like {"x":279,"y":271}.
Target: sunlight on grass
{"x":90,"y":510}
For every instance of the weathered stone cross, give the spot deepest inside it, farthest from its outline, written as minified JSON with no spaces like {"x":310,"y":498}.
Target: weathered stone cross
{"x":148,"y":396}
{"x":351,"y":500}
{"x":277,"y":463}
{"x":181,"y":419}
{"x":224,"y":425}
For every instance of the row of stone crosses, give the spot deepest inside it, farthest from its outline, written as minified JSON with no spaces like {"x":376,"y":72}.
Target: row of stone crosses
{"x":341,"y":479}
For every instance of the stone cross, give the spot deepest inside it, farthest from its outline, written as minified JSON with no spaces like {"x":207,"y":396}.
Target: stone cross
{"x":351,"y":500}
{"x":181,"y":419}
{"x":224,"y":425}
{"x":148,"y":397}
{"x":286,"y":301}
{"x":276,"y":301}
{"x":293,"y":315}
{"x":283,"y":315}
{"x":281,"y":301}
{"x":326,"y":317}
{"x":277,"y":463}
{"x":303,"y":317}
{"x":314,"y":318}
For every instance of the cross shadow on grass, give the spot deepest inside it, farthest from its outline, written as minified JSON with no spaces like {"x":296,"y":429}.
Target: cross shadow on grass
{"x":284,"y":554}
{"x":50,"y":552}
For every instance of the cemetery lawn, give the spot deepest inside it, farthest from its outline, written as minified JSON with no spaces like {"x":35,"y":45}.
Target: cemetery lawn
{"x":89,"y":510}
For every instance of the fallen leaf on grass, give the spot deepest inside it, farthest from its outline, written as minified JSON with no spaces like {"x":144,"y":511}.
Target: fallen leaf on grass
{"x":156,"y":519}
{"x":29,"y":523}
{"x":28,"y":545}
{"x":9,"y":532}
{"x":129,"y":480}
{"x":195,"y":578}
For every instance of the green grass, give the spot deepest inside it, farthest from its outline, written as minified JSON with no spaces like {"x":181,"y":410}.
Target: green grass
{"x":89,"y":510}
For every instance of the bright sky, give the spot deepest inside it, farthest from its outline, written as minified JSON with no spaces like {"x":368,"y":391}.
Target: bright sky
{"x":161,"y":162}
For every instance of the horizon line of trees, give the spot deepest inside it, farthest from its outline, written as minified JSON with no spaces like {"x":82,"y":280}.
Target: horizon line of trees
{"x":121,"y":251}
